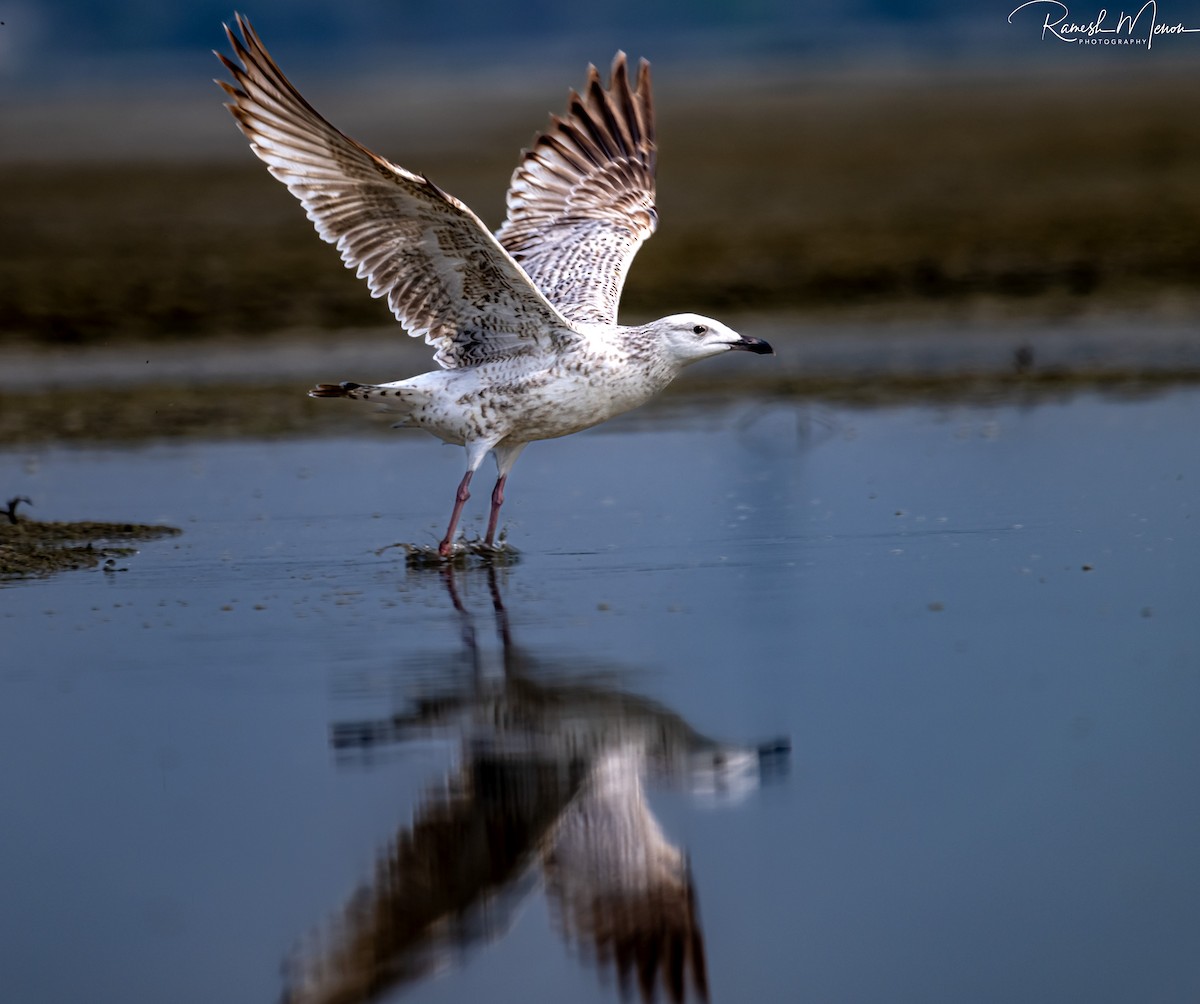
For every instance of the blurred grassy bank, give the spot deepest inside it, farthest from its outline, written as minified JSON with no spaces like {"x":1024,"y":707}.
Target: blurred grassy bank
{"x":953,"y":199}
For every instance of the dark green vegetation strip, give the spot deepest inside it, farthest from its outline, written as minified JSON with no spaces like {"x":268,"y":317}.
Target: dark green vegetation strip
{"x":158,"y":412}
{"x":1035,"y":196}
{"x":1041,"y":197}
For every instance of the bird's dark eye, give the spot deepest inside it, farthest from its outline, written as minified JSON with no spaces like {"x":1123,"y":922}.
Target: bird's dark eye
{"x":699,"y":329}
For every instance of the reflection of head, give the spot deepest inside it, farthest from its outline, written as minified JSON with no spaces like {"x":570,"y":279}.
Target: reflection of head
{"x":620,"y":890}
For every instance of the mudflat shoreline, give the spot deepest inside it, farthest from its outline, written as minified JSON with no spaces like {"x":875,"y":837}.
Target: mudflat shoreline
{"x":925,"y":199}
{"x":233,"y":388}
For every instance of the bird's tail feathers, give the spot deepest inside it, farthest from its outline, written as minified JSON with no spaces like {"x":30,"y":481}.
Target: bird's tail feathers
{"x":391,"y":397}
{"x":346,"y":388}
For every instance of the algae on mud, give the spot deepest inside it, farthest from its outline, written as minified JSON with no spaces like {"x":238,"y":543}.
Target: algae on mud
{"x":467,"y":553}
{"x":30,"y":547}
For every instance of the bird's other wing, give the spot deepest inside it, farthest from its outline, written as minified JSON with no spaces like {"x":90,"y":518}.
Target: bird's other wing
{"x":581,"y":202}
{"x":444,"y":275}
{"x":449,"y":882}
{"x":620,"y":890}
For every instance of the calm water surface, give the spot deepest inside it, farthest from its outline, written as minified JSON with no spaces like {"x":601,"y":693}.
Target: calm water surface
{"x":266,"y":754}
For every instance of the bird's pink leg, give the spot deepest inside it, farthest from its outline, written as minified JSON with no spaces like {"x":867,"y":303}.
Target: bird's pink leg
{"x":497,"y":502}
{"x":506,"y":456}
{"x":460,"y":500}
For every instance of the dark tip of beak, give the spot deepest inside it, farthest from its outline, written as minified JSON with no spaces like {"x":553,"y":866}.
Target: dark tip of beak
{"x":755,"y":345}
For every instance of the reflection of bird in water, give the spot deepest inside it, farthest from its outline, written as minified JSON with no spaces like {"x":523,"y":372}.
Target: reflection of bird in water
{"x":552,"y":783}
{"x":525,"y":322}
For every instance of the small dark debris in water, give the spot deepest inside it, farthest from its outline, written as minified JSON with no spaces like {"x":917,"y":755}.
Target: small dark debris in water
{"x":1147,"y":612}
{"x":937,"y":607}
{"x":29,"y":547}
{"x":781,"y":745}
{"x":774,"y":758}
{"x":1086,"y":568}
{"x":1023,"y":358}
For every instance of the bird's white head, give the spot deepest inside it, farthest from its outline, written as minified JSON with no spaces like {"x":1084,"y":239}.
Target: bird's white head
{"x":689,"y":338}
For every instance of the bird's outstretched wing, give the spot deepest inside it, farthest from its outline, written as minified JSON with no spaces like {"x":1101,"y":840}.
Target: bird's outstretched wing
{"x":444,"y":275}
{"x":582,"y":200}
{"x":450,"y":881}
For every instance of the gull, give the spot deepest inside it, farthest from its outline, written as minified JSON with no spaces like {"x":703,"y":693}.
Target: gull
{"x":524,"y":322}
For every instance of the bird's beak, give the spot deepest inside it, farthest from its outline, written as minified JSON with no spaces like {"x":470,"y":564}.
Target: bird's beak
{"x":755,"y":345}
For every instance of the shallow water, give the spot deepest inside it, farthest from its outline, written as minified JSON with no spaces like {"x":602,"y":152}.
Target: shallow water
{"x":975,"y":623}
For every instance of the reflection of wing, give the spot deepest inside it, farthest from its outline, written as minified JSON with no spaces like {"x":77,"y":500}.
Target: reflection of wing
{"x":621,"y":889}
{"x":445,"y":277}
{"x":445,"y":883}
{"x":582,"y":201}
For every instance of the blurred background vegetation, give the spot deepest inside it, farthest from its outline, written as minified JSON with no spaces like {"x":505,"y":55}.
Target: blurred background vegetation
{"x":864,"y":161}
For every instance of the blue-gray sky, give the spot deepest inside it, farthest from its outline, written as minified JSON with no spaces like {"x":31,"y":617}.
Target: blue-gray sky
{"x":45,"y":43}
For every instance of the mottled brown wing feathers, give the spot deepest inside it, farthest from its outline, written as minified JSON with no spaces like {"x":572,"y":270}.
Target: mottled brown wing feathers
{"x":581,"y":202}
{"x":444,"y":276}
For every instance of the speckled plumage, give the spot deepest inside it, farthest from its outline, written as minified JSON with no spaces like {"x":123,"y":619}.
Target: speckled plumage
{"x":523,"y":323}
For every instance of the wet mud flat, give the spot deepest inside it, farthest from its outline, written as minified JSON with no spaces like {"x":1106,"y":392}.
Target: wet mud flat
{"x":31,"y":547}
{"x":229,"y":388}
